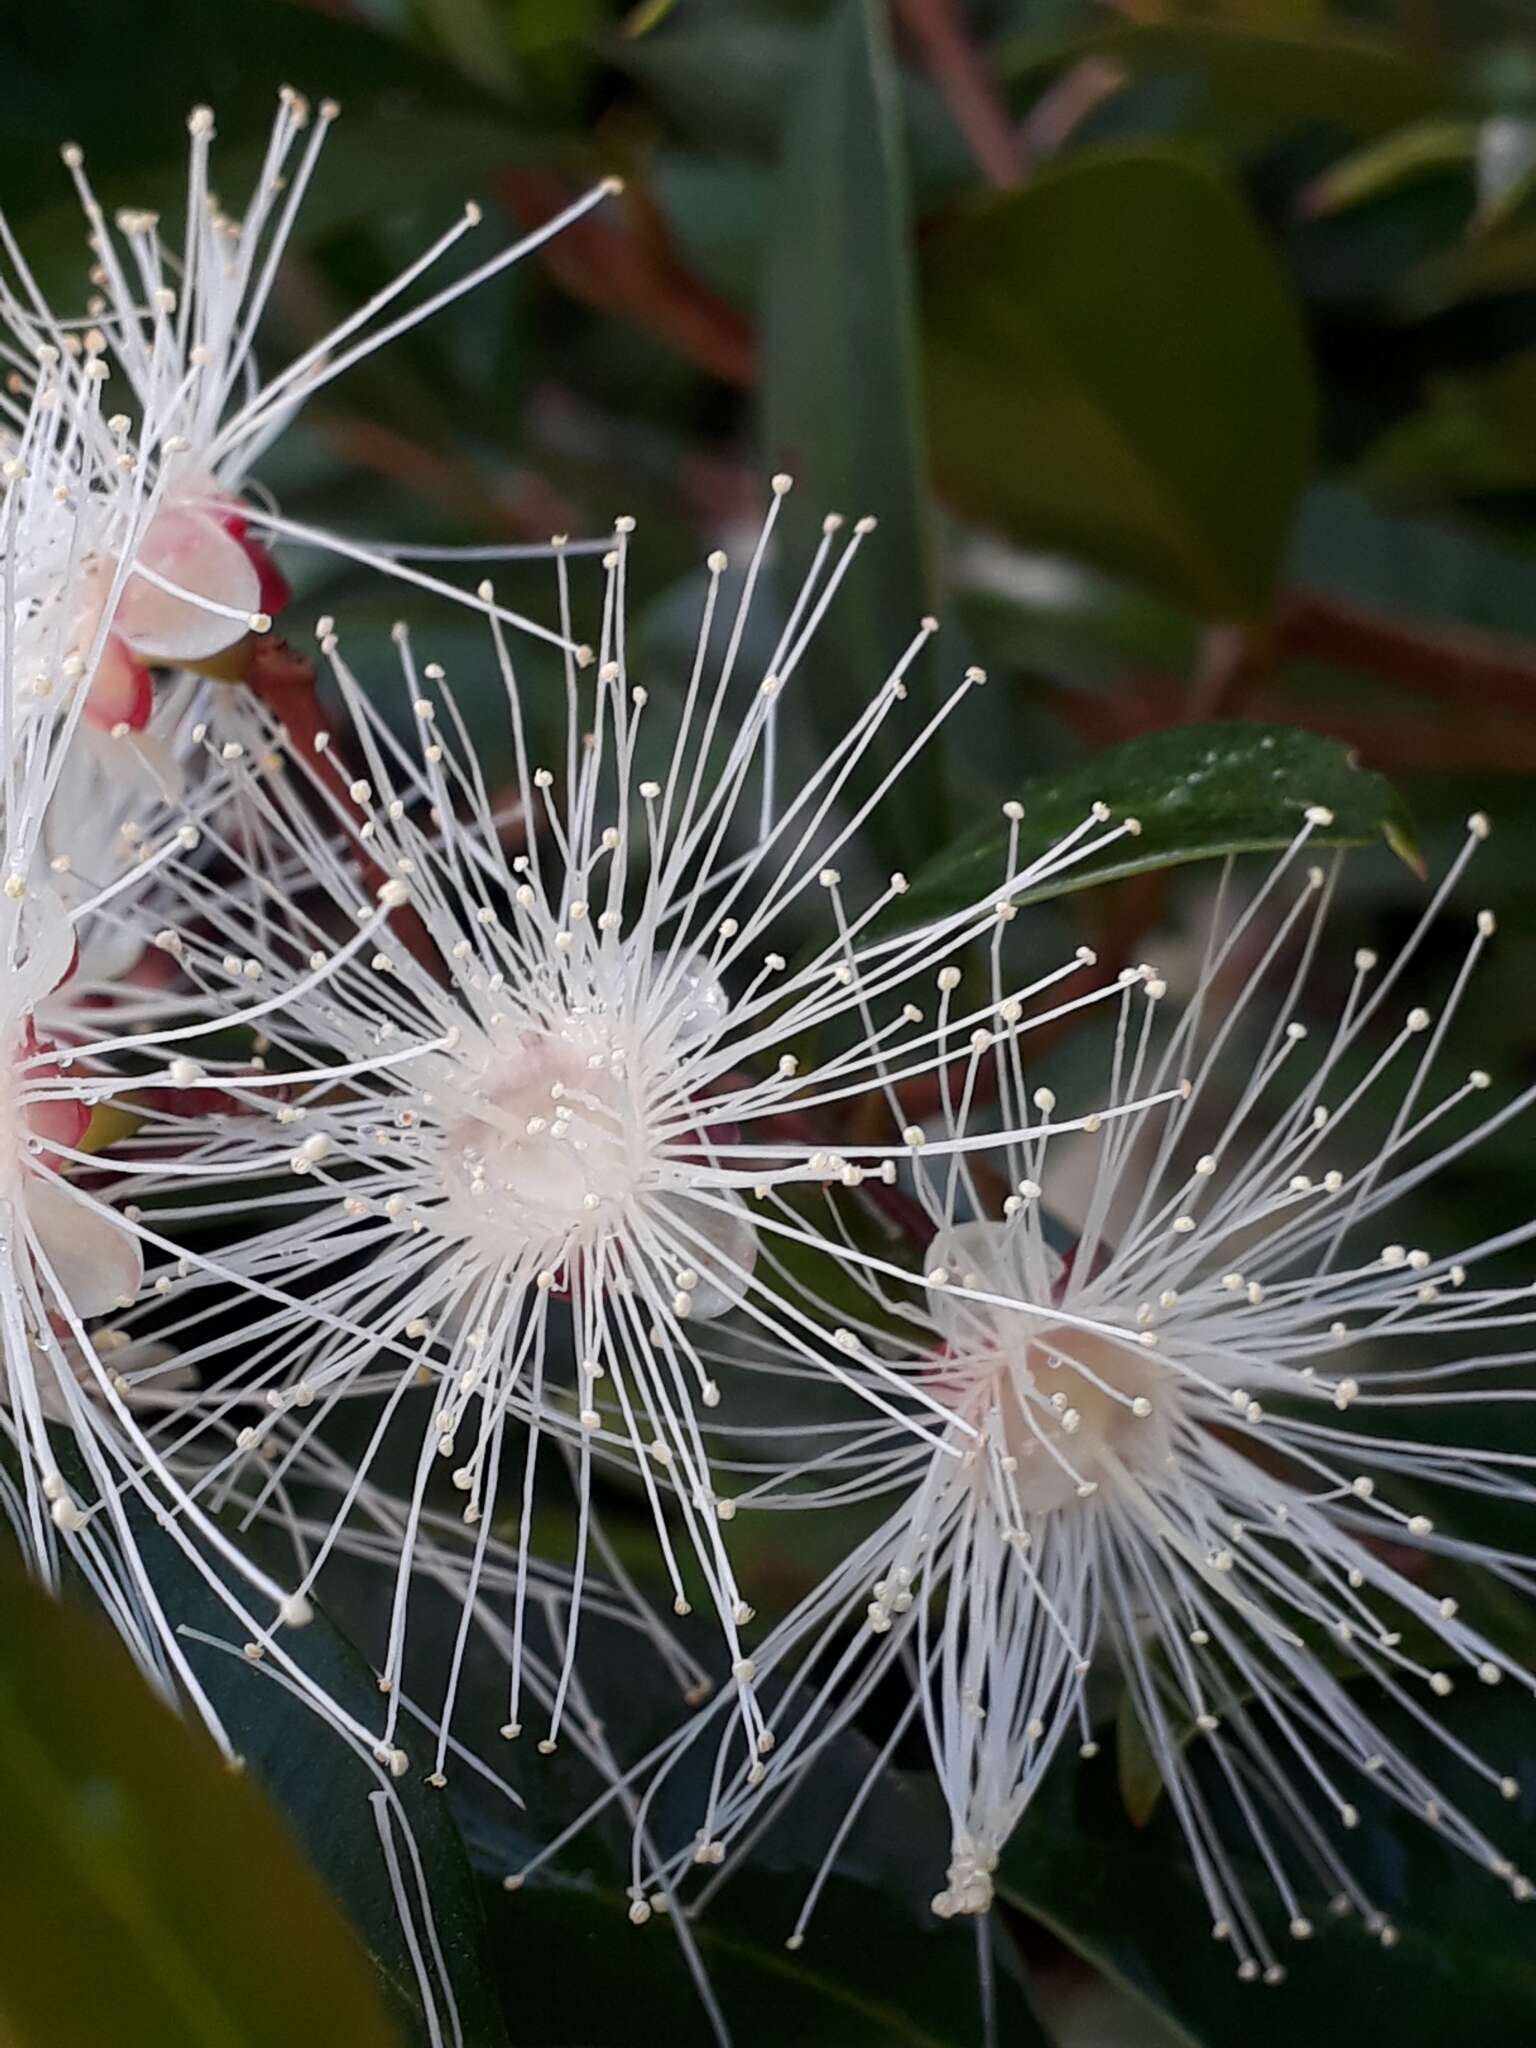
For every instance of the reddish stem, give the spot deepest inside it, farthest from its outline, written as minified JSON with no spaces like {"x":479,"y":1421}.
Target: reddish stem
{"x":970,"y":92}
{"x":633,"y":271}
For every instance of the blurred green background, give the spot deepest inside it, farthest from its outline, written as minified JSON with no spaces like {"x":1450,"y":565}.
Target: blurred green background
{"x":1187,"y":355}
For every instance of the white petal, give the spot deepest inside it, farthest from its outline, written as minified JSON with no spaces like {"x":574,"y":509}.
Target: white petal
{"x":991,"y":1258}
{"x":47,"y":948}
{"x":98,"y":1262}
{"x":732,"y":1237}
{"x":194,"y":552}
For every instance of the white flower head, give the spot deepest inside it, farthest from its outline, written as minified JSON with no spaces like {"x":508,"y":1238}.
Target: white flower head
{"x":91,"y":1043}
{"x":1161,"y":1445}
{"x":572,"y":1115}
{"x":127,"y":543}
{"x":161,"y":394}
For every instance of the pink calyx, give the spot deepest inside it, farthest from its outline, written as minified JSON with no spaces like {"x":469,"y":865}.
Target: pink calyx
{"x":59,"y":1122}
{"x":121,"y":697}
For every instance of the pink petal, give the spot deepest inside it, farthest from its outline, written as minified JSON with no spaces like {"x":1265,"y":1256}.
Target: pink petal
{"x":121,"y":692}
{"x":194,"y":551}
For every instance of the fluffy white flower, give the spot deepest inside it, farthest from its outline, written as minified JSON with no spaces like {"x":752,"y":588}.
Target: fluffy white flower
{"x":1170,"y":1446}
{"x":187,"y":412}
{"x":126,"y":542}
{"x":77,"y":908}
{"x":573,"y":1100}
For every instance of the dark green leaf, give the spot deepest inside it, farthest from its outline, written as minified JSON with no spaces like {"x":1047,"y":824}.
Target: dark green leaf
{"x":410,"y":130}
{"x":1127,"y":1899}
{"x":1266,"y":75}
{"x":1198,"y":791}
{"x":322,"y":1788}
{"x":149,"y":1896}
{"x":840,"y":371}
{"x":1414,"y":568}
{"x":1116,"y":369}
{"x":720,"y":73}
{"x":474,"y":34}
{"x":868,"y":1975}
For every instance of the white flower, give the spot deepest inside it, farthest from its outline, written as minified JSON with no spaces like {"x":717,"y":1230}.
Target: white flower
{"x":91,"y":1263}
{"x":80,"y":901}
{"x":70,"y":524}
{"x":89,"y":1429}
{"x":126,"y":540}
{"x":173,"y":333}
{"x":572,"y":1103}
{"x":1162,"y":1447}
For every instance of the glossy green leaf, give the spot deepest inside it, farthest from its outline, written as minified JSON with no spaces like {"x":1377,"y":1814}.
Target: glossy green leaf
{"x":1127,"y":1900}
{"x":1116,"y":370}
{"x":1198,"y":792}
{"x":149,"y":1896}
{"x":840,"y":369}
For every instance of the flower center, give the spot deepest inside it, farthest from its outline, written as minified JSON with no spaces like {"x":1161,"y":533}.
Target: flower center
{"x":1079,"y":1410}
{"x":544,"y":1141}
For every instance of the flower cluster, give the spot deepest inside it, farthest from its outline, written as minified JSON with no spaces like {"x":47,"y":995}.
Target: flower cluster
{"x":1174,"y":1448}
{"x":137,"y":569}
{"x":572,"y":1114}
{"x":408,"y":1148}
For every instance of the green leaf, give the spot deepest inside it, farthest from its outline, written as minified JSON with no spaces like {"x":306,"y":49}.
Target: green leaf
{"x":1127,"y":1900}
{"x":1284,"y":76}
{"x":840,"y":372}
{"x":1198,"y":792}
{"x":411,"y":129}
{"x":1137,"y":1769}
{"x":1416,"y":568}
{"x":1116,"y":369}
{"x":148,"y":1894}
{"x":474,"y":34}
{"x":867,"y":1976}
{"x":321,"y":1787}
{"x":1423,"y":149}
{"x":1266,"y":75}
{"x":719,"y":74}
